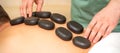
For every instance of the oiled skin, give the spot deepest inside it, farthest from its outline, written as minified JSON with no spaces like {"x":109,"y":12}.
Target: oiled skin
{"x":33,"y":39}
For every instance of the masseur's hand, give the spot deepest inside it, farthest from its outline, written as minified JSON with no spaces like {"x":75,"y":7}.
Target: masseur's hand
{"x":26,"y":6}
{"x":103,"y":22}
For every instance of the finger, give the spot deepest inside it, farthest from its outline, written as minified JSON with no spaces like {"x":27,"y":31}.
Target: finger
{"x":100,"y":33}
{"x":23,"y":8}
{"x":95,"y":31}
{"x":29,"y":7}
{"x":108,"y":31}
{"x":89,"y":28}
{"x":39,"y":5}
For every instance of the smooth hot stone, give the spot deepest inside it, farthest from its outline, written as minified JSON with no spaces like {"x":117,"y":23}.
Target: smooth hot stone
{"x":46,"y":24}
{"x":58,"y":18}
{"x":81,"y":42}
{"x":63,"y":34}
{"x":75,"y":27}
{"x":34,"y":14}
{"x":17,"y":21}
{"x":31,"y":21}
{"x":43,"y":14}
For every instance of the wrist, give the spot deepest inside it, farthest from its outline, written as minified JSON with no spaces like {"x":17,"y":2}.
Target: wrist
{"x":115,"y":0}
{"x":114,"y":4}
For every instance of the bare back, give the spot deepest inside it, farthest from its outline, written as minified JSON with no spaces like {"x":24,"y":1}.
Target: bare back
{"x":33,"y":39}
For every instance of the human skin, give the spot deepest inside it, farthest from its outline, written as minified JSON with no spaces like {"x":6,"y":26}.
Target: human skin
{"x":103,"y":22}
{"x":33,"y":39}
{"x":96,"y":29}
{"x":27,"y":5}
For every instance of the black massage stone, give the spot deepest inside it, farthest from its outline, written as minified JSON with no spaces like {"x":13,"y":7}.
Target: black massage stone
{"x":63,"y":33}
{"x":34,"y":14}
{"x":17,"y":21}
{"x":81,"y":42}
{"x":31,"y":21}
{"x":58,"y":18}
{"x":43,"y":14}
{"x":46,"y":24}
{"x":75,"y":27}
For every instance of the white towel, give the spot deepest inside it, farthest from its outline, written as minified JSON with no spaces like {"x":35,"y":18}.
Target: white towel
{"x":110,"y":44}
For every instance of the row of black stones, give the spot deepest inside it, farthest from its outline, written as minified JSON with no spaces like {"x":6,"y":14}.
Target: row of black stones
{"x":61,"y":32}
{"x":66,"y":35}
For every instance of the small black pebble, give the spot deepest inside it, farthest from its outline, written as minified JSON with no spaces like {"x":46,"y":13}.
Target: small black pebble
{"x":43,"y":14}
{"x":58,"y":18}
{"x":81,"y":42}
{"x":46,"y":24}
{"x":75,"y":27}
{"x":17,"y":21}
{"x":31,"y":21}
{"x":63,"y":33}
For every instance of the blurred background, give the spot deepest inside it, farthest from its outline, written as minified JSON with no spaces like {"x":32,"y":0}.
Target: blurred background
{"x":55,"y":6}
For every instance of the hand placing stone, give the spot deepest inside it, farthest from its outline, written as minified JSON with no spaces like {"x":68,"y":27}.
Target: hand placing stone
{"x":63,"y":33}
{"x":43,"y":14}
{"x":17,"y":21}
{"x":58,"y":18}
{"x":81,"y":42}
{"x":31,"y":21}
{"x":46,"y":24}
{"x":75,"y":27}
